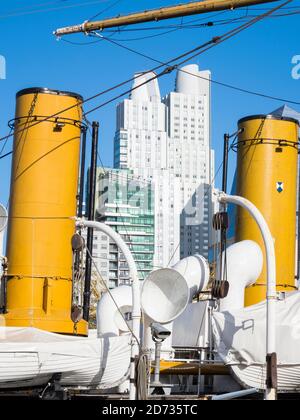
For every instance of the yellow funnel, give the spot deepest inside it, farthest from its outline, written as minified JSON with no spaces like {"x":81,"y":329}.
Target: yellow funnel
{"x":42,"y":202}
{"x":267,"y":176}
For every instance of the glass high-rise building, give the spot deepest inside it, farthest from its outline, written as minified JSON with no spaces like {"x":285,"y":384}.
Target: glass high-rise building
{"x":167,"y":141}
{"x":126,"y":204}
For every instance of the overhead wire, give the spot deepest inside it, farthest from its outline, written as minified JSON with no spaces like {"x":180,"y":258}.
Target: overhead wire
{"x":2,"y":154}
{"x":166,"y":71}
{"x":91,"y":18}
{"x":143,"y":372}
{"x":242,"y":90}
{"x":104,"y":10}
{"x":144,"y":55}
{"x":47,"y":3}
{"x":47,"y":10}
{"x":125,"y":178}
{"x":108,"y":90}
{"x":191,"y":24}
{"x":113,"y":299}
{"x":195,"y":53}
{"x":6,"y":154}
{"x":205,"y":195}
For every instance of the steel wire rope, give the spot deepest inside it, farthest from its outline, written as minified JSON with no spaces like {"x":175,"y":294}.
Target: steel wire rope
{"x":52,"y":9}
{"x":123,"y":177}
{"x":108,"y":90}
{"x":245,"y":26}
{"x":142,"y":364}
{"x":153,"y":70}
{"x":210,"y":44}
{"x":105,"y":10}
{"x":113,"y":299}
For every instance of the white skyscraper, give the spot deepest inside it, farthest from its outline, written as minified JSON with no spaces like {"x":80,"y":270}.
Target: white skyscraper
{"x":168,"y":141}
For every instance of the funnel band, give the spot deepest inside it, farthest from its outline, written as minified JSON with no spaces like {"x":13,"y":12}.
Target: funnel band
{"x":268,"y":117}
{"x":33,"y":90}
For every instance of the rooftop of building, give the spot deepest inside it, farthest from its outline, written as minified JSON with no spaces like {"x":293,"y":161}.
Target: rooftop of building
{"x":285,"y":111}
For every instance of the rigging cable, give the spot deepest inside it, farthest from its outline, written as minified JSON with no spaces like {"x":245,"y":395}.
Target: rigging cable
{"x":17,"y":13}
{"x":168,"y":70}
{"x":125,"y":179}
{"x":110,"y":294}
{"x":242,"y":90}
{"x":2,"y":154}
{"x":196,"y":52}
{"x":143,"y":372}
{"x":104,"y":10}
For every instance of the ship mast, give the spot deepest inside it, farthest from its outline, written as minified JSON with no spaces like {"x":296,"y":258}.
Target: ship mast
{"x":187,"y":9}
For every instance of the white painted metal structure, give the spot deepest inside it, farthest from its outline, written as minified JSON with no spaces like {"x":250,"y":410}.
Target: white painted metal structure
{"x":110,"y":322}
{"x":271,"y":273}
{"x":166,"y":292}
{"x":164,"y":296}
{"x":3,"y":223}
{"x":136,"y":305}
{"x":30,"y":357}
{"x":233,"y":395}
{"x":239,"y":337}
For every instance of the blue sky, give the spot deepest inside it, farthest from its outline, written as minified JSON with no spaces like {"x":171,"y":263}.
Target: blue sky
{"x":258,"y":59}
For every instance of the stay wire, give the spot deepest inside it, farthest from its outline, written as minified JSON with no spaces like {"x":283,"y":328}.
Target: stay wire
{"x":20,"y":13}
{"x":135,"y":77}
{"x":209,"y":44}
{"x":175,"y":28}
{"x":196,"y":52}
{"x":190,"y":25}
{"x":238,"y":30}
{"x":2,"y":155}
{"x":229,"y":86}
{"x":205,"y":195}
{"x":105,"y":10}
{"x":108,"y":90}
{"x":111,"y":296}
{"x":124,"y":178}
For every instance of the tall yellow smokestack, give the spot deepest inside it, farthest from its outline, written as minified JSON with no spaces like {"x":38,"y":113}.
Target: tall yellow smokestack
{"x":42,"y":202}
{"x":267,"y":176}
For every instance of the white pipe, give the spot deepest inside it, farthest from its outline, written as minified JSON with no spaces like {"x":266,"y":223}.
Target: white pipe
{"x":3,"y":224}
{"x":195,"y":270}
{"x":136,"y":304}
{"x":233,"y":395}
{"x":271,"y":270}
{"x":2,"y":257}
{"x":1,"y":243}
{"x":244,"y":263}
{"x":3,"y":218}
{"x":109,"y":320}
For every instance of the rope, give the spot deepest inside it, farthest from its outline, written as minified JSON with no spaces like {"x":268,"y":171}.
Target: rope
{"x":110,"y":294}
{"x":142,"y":377}
{"x":142,"y":369}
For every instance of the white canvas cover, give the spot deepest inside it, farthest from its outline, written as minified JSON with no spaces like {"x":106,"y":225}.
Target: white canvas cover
{"x":240,"y":336}
{"x":191,"y":328}
{"x":29,"y":357}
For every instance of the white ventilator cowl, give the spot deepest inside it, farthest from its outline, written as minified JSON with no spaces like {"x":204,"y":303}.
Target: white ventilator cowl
{"x":244,"y":262}
{"x":110,"y":322}
{"x":167,"y":291}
